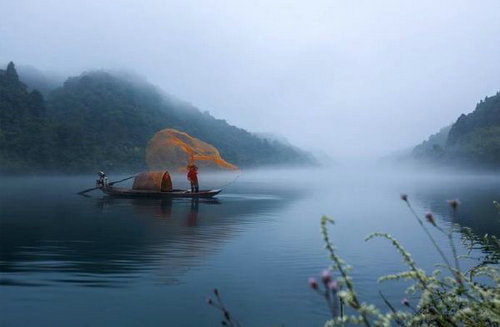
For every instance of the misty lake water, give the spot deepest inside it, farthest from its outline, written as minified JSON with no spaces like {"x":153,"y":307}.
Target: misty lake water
{"x":68,"y":260}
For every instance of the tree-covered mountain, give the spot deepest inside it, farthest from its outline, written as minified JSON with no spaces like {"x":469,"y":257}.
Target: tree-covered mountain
{"x":24,"y":137}
{"x":44,"y":82}
{"x":433,"y":147}
{"x":100,"y":120}
{"x":474,"y":139}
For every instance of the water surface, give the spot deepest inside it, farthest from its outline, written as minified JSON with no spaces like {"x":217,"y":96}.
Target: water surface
{"x":68,"y":260}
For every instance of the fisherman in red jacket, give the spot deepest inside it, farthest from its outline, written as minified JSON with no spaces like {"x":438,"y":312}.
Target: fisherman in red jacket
{"x":192,"y":176}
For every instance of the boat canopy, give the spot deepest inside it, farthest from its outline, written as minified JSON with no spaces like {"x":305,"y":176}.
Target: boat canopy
{"x":158,"y":181}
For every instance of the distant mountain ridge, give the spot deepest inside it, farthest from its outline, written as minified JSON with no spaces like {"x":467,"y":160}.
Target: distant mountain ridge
{"x":37,"y":80}
{"x":434,"y":146}
{"x":100,"y":120}
{"x":473,"y":140}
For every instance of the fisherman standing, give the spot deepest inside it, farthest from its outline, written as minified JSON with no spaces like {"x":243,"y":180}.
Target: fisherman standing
{"x":192,"y":176}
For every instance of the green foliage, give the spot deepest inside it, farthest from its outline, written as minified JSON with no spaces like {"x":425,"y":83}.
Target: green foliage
{"x":458,"y":298}
{"x":433,"y":148}
{"x":486,"y":114}
{"x":472,"y":139}
{"x":482,"y":145}
{"x":21,"y":111}
{"x":102,"y":121}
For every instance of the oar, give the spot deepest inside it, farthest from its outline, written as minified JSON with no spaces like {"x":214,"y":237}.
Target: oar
{"x":112,"y":183}
{"x":87,"y":190}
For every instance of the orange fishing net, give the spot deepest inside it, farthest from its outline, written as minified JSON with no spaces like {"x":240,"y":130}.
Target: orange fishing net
{"x":174,"y":150}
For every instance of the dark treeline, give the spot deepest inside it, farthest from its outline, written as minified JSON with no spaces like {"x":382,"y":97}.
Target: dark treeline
{"x":100,"y":120}
{"x":473,"y":140}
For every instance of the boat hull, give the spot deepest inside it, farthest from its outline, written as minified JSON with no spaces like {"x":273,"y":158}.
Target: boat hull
{"x":126,"y":192}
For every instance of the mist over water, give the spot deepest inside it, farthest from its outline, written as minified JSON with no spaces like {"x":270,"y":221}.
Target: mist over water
{"x":368,"y":77}
{"x":363,"y":89}
{"x":100,"y":261}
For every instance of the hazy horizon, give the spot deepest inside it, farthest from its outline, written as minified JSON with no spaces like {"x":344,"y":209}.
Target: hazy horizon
{"x":348,"y":78}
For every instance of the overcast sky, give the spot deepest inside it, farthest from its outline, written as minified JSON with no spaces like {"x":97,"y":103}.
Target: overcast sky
{"x":349,"y":77}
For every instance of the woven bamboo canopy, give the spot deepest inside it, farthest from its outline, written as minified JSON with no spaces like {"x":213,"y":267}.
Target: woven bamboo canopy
{"x":159,"y":181}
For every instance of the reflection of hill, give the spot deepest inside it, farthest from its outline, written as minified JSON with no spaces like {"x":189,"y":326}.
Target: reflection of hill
{"x":115,"y":238}
{"x":476,"y":196}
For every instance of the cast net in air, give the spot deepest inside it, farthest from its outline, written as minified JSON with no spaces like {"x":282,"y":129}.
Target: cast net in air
{"x":173,"y":150}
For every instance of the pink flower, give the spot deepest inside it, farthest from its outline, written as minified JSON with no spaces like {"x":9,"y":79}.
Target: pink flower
{"x":326,"y":276}
{"x":454,"y":203}
{"x":313,"y":283}
{"x":430,"y":218}
{"x":332,"y":286}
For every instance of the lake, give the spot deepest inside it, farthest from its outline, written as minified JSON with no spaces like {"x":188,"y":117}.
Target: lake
{"x":68,"y":260}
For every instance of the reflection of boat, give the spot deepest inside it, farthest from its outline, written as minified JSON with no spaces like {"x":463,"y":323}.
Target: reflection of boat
{"x":126,"y":192}
{"x":152,"y":184}
{"x":115,"y":241}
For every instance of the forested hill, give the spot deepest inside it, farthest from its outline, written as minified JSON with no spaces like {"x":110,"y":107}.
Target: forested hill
{"x":24,"y":137}
{"x":100,"y":120}
{"x":474,"y":139}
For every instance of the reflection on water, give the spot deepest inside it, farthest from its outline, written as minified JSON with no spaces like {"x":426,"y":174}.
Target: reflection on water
{"x":476,"y":196}
{"x":476,"y":211}
{"x":115,"y":237}
{"x":153,"y":261}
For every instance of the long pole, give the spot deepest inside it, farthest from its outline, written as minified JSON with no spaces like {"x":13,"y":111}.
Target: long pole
{"x":95,"y":188}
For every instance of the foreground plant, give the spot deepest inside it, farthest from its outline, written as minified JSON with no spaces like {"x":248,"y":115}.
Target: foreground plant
{"x":227,"y":317}
{"x":452,"y":298}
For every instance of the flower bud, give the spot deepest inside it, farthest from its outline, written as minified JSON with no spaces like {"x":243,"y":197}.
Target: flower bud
{"x":326,"y":276}
{"x":313,"y":283}
{"x":430,"y":218}
{"x":332,"y":286}
{"x":404,"y":197}
{"x":405,"y":302}
{"x":454,"y":203}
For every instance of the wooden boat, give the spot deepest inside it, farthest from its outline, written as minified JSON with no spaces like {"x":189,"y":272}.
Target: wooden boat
{"x":153,"y":184}
{"x":126,"y":192}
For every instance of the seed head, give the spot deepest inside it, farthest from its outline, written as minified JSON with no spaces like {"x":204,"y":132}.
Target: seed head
{"x":326,"y":276}
{"x":313,"y":283}
{"x":404,"y":197}
{"x":430,"y":218}
{"x":332,"y":286}
{"x":454,"y":203}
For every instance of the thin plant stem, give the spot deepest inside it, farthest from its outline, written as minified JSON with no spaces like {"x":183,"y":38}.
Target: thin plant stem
{"x":438,"y":248}
{"x":334,"y":257}
{"x":398,"y":321}
{"x":452,"y":244}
